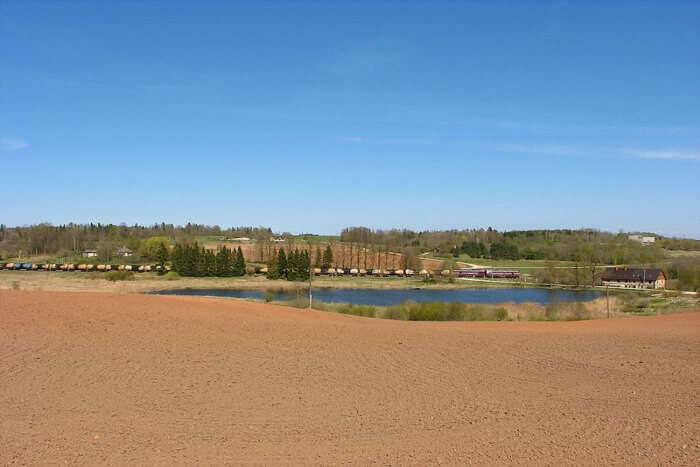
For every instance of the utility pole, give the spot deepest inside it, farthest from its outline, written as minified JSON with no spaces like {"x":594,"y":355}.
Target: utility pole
{"x":311,"y":276}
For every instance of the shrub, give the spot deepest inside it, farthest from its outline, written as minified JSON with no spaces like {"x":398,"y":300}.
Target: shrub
{"x":501,"y":314}
{"x":120,"y":276}
{"x":551,"y":312}
{"x":578,"y":312}
{"x":357,"y":310}
{"x":474,"y":313}
{"x":172,"y":276}
{"x":268,"y":296}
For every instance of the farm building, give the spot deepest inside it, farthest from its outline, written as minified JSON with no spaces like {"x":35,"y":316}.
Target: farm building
{"x":644,"y":240}
{"x":89,"y":253}
{"x":635,"y":278}
{"x":124,"y":252}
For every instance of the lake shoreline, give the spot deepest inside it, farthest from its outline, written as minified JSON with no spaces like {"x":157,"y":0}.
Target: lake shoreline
{"x":390,"y":297}
{"x":149,"y":282}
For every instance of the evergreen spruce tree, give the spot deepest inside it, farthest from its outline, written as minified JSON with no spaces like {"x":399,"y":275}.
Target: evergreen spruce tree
{"x":192,"y":260}
{"x":282,"y":263}
{"x":221,"y":261}
{"x":162,"y":256}
{"x":229,"y":263}
{"x":176,"y":258}
{"x":317,"y":261}
{"x":201,"y":268}
{"x":273,"y":266}
{"x":211,"y":263}
{"x":327,"y":257}
{"x":304,"y":265}
{"x":240,"y":263}
{"x":292,"y":265}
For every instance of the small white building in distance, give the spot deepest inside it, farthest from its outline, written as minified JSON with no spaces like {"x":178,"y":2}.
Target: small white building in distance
{"x":124,"y":252}
{"x":642,"y":239}
{"x":89,"y":253}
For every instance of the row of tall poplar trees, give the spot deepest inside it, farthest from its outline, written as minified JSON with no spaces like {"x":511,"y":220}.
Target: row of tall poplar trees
{"x":193,"y":260}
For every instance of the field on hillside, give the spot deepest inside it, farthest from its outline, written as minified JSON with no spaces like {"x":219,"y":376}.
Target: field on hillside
{"x":96,"y":378}
{"x":344,"y":254}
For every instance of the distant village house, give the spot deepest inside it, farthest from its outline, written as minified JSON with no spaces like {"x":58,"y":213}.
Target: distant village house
{"x":89,"y":253}
{"x":642,"y":239}
{"x":640,"y":278}
{"x":124,"y":252}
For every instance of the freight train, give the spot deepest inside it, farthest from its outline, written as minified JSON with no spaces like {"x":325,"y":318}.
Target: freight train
{"x":464,"y":273}
{"x":80,"y":267}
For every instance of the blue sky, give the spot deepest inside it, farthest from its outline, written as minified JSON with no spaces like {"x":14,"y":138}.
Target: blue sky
{"x":313,"y":116}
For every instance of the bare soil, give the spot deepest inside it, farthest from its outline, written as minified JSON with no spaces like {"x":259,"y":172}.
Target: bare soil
{"x":99,"y":378}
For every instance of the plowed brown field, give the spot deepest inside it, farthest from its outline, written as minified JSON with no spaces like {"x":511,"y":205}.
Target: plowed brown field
{"x":97,"y":378}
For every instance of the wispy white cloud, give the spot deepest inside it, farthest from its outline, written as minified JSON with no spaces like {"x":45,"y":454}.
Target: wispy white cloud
{"x":663,"y":154}
{"x":370,"y":140}
{"x":12,"y":144}
{"x":538,"y":148}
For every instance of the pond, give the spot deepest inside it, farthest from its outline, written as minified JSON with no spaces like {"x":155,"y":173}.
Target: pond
{"x":384,"y":297}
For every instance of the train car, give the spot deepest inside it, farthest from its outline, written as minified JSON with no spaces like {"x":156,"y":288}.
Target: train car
{"x":340,"y":271}
{"x":398,"y":272}
{"x":354,"y":271}
{"x":26,"y":266}
{"x":2,"y":266}
{"x":36,"y":267}
{"x":102,"y":267}
{"x":331,"y":271}
{"x":502,"y":274}
{"x":446,"y":272}
{"x":471,"y":273}
{"x":9,"y":266}
{"x":141,"y":268}
{"x":362,"y":272}
{"x":135,"y":268}
{"x":82,"y":267}
{"x":410,"y":272}
{"x":376,"y":272}
{"x":424,"y":272}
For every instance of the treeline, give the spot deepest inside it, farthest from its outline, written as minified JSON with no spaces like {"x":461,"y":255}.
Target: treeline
{"x":556,"y":245}
{"x":295,"y":266}
{"x":70,"y":239}
{"x":193,"y":260}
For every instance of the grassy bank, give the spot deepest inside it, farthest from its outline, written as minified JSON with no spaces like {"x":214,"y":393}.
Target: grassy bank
{"x":453,"y":311}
